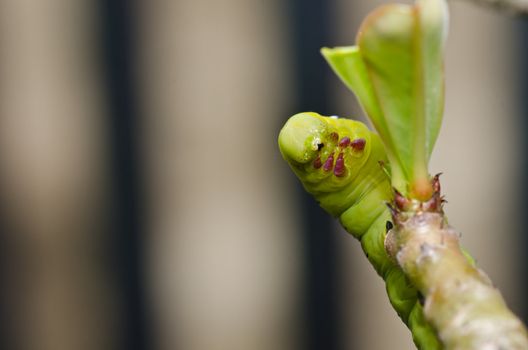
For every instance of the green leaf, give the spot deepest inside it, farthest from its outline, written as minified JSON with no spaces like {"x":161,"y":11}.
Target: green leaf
{"x":396,"y":72}
{"x":433,"y":20}
{"x":349,"y":66}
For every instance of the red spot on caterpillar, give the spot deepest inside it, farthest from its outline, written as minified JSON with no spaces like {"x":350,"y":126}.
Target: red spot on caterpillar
{"x":329,"y":164}
{"x":317,"y":162}
{"x":344,"y":142}
{"x":358,"y":144}
{"x":334,"y":136}
{"x":339,"y":169}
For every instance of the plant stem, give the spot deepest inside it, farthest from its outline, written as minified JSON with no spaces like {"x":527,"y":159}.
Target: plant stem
{"x":460,"y":302}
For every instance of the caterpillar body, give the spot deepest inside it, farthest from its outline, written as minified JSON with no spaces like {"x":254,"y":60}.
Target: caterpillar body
{"x":338,"y":162}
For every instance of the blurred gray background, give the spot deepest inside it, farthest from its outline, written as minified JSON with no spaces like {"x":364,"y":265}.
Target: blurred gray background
{"x":143,"y":200}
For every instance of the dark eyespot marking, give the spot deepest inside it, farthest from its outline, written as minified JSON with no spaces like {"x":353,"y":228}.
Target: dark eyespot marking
{"x":319,"y":146}
{"x":388,"y":226}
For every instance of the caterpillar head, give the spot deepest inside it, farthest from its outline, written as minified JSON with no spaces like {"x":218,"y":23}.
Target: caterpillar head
{"x":326,"y":153}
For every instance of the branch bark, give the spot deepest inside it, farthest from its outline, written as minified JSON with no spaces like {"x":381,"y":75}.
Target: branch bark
{"x":511,"y":7}
{"x":460,"y":302}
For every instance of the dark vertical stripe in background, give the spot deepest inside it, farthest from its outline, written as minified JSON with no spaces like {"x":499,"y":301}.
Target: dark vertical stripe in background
{"x":8,"y":328}
{"x":127,"y":226}
{"x":522,"y":96}
{"x":322,"y":330}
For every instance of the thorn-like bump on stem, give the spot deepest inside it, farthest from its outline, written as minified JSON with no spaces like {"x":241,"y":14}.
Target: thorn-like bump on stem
{"x":394,"y":211}
{"x":401,"y":202}
{"x":436,"y":183}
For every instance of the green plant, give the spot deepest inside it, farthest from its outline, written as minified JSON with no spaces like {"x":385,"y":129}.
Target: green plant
{"x":396,"y":72}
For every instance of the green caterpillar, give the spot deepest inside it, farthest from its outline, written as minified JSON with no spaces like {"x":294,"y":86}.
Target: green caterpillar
{"x":338,"y":161}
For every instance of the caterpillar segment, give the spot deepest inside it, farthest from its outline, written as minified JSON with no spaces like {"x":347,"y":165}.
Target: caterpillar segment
{"x":339,"y":161}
